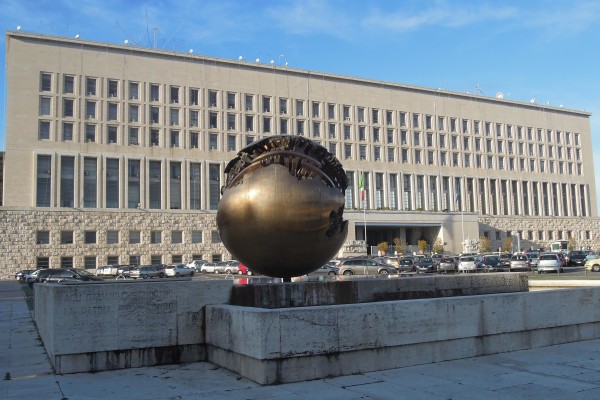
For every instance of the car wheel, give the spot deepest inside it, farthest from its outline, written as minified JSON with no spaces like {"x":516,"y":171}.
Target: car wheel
{"x":385,"y":272}
{"x":596,"y":268}
{"x":144,"y":276}
{"x":216,"y":271}
{"x":228,"y":271}
{"x":161,"y":275}
{"x":177,"y":274}
{"x":348,"y":272}
{"x":191,"y":274}
{"x":331,"y":273}
{"x":249,"y":273}
{"x":240,"y":272}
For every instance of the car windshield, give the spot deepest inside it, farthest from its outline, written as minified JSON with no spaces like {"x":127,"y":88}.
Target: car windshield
{"x":83,"y":272}
{"x":519,"y":258}
{"x":467,"y":259}
{"x":492,"y":258}
{"x":547,"y":257}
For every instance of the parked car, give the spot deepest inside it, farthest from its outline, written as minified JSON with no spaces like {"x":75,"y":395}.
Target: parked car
{"x":20,"y":276}
{"x":505,"y":261}
{"x":326,"y":269}
{"x":148,"y":271}
{"x":71,"y":275}
{"x":593,"y":264}
{"x":425,"y":265}
{"x":243,"y":270}
{"x":490,"y":263}
{"x":125,"y":270}
{"x":436,"y":258}
{"x":178,"y":270}
{"x":196,"y":264}
{"x":519,"y":262}
{"x":41,"y":275}
{"x":407,"y":264}
{"x":577,"y":258}
{"x":447,"y":264}
{"x":364,"y":266}
{"x":211,"y":266}
{"x":533,"y":260}
{"x":107,"y":270}
{"x":468,"y":264}
{"x":549,"y":262}
{"x":228,"y":267}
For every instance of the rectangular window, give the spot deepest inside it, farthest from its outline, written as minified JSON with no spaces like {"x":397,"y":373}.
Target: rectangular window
{"x":67,"y":181}
{"x":90,"y":86}
{"x":42,"y":262}
{"x":134,"y":90}
{"x":42,"y":237}
{"x":175,"y":185}
{"x":174,"y":139}
{"x":194,"y":121}
{"x":212,"y":98}
{"x":154,"y":184}
{"x":68,"y":84}
{"x":67,"y":132}
{"x":133,"y":184}
{"x":194,"y":140}
{"x":230,"y":100}
{"x":112,"y":237}
{"x":113,"y":88}
{"x":174,"y":94}
{"x":66,"y":262}
{"x":134,"y":113}
{"x":89,"y":262}
{"x":214,"y":237}
{"x":213,"y":141}
{"x":176,"y":237}
{"x":154,"y":92}
{"x":155,"y":259}
{"x":214,"y":194}
{"x":154,"y":115}
{"x":90,"y":237}
{"x":68,"y":108}
{"x":44,"y":130}
{"x":194,"y":97}
{"x":134,"y":260}
{"x":195,"y":187}
{"x":43,"y":181}
{"x":112,"y":112}
{"x":45,"y":82}
{"x":90,"y":182}
{"x":231,"y":140}
{"x":249,"y":102}
{"x":174,"y":116}
{"x":112,"y":183}
{"x":134,"y":237}
{"x":90,"y":132}
{"x":154,"y":137}
{"x":299,"y":107}
{"x":266,"y":104}
{"x":66,"y":237}
{"x":45,"y":106}
{"x":155,"y":237}
{"x":196,"y":237}
{"x":134,"y":136}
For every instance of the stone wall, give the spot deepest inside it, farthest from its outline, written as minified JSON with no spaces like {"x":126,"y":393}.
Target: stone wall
{"x":19,"y":248}
{"x":559,"y":226}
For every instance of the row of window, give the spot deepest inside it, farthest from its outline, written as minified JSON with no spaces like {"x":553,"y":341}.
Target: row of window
{"x":174,"y":95}
{"x":158,"y":184}
{"x":91,"y":262}
{"x":43,"y":237}
{"x":541,"y":235}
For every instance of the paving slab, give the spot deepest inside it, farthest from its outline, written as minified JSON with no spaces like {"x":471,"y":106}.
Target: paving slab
{"x":569,"y":371}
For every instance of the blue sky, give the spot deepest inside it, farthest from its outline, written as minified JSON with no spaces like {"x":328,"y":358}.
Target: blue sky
{"x":542,"y":49}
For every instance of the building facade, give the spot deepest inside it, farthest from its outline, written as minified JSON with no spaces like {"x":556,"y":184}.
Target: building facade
{"x":116,"y":154}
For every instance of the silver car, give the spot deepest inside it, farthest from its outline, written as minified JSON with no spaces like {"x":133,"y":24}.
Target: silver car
{"x":519,"y":262}
{"x":364,"y":266}
{"x":549,"y":262}
{"x":447,"y":264}
{"x":467,"y":264}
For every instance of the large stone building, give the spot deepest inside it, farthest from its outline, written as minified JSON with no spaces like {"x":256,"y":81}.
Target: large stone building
{"x":115,"y":154}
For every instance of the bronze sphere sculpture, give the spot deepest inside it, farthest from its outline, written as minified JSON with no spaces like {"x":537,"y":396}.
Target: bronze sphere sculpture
{"x":281,"y":211}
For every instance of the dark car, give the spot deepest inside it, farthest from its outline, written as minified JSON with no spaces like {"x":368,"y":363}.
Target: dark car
{"x":41,"y":275}
{"x":505,"y":261}
{"x":425,"y":264}
{"x":72,"y":275}
{"x":20,"y":276}
{"x":407,"y":264}
{"x":490,"y":263}
{"x":577,"y":258}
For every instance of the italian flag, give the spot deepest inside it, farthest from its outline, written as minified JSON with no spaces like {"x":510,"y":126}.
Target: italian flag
{"x":361,"y":186}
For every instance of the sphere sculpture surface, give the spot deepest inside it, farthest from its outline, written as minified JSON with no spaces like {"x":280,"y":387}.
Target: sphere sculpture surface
{"x":281,"y":211}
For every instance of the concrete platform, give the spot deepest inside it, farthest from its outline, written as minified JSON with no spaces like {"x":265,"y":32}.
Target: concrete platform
{"x":564,"y":372}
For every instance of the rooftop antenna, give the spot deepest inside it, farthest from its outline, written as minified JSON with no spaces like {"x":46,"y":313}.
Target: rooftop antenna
{"x":155,"y":30}
{"x":478,"y":89}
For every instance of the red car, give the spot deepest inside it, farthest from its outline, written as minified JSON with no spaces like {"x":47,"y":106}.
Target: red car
{"x":243,"y":270}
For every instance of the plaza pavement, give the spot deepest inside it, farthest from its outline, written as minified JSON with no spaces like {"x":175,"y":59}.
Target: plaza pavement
{"x":570,"y":371}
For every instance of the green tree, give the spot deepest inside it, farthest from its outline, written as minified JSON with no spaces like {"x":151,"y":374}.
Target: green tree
{"x":438,"y":246}
{"x":383,"y":247}
{"x":572,"y":245}
{"x":422,"y":245}
{"x":400,"y":245}
{"x":507,"y":244}
{"x":485,"y":244}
